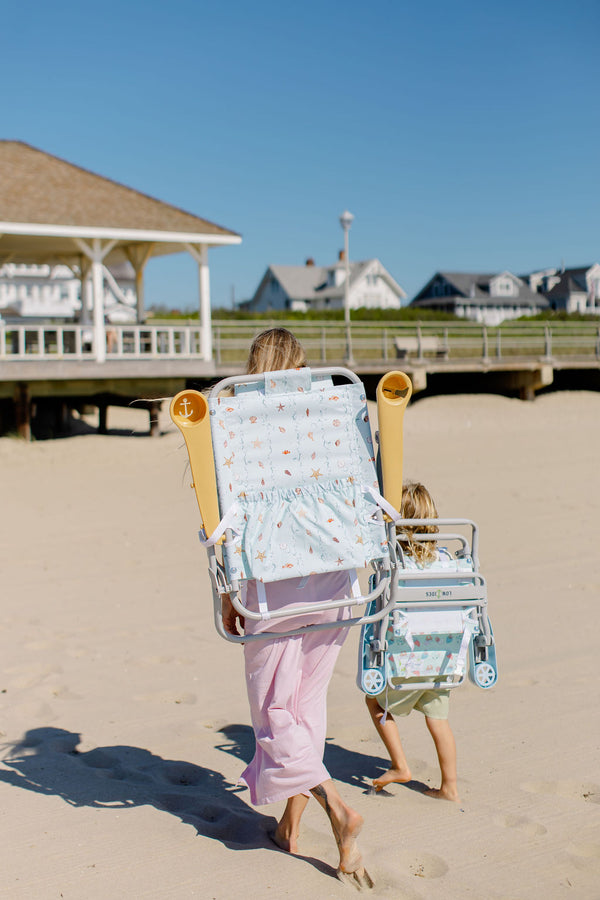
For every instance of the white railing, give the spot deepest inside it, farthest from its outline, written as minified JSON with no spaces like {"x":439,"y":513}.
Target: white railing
{"x":374,"y":343}
{"x":54,"y":342}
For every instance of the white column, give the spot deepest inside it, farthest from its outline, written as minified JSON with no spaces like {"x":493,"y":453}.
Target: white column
{"x":138,"y":255}
{"x":96,"y":254}
{"x":205,"y":313}
{"x":200,"y":254}
{"x":84,"y":271}
{"x":98,"y":286}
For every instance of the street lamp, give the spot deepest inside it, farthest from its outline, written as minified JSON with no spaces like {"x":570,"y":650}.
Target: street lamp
{"x":346,"y":220}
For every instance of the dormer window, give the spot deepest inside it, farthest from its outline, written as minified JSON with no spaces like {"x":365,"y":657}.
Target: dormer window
{"x":503,"y":286}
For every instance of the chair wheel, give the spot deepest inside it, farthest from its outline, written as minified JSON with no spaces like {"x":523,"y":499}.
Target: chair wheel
{"x":485,"y":675}
{"x":373,"y":681}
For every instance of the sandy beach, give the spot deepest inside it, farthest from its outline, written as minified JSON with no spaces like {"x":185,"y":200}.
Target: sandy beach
{"x":125,"y":722}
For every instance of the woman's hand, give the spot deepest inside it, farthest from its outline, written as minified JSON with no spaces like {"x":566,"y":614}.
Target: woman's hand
{"x":230,"y":615}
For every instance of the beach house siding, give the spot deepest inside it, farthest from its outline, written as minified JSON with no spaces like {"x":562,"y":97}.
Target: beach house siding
{"x":300,"y":288}
{"x":480,"y":297}
{"x":575,"y":290}
{"x":53,"y":292}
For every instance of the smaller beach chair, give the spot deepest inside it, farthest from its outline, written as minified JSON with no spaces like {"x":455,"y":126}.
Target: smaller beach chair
{"x":438,"y":630}
{"x":284,"y":470}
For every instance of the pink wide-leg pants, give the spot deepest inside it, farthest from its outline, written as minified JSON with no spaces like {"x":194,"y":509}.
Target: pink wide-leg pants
{"x":287,"y":680}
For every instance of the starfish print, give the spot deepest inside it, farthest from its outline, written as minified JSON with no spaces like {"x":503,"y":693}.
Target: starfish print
{"x":257,"y":443}
{"x":281,"y":407}
{"x":339,"y":561}
{"x":229,"y":462}
{"x":316,"y":474}
{"x":261,"y":555}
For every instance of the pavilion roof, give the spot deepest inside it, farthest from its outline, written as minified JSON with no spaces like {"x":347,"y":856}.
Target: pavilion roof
{"x":36,"y":187}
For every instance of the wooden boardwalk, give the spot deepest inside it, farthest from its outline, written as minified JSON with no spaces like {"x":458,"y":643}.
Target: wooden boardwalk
{"x":57,"y":364}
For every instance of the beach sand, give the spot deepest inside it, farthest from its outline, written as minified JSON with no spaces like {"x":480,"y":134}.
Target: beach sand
{"x":125,"y":723}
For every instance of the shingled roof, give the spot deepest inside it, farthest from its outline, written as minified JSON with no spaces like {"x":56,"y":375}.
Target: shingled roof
{"x":310,"y":282}
{"x":473,"y":289}
{"x":36,"y":187}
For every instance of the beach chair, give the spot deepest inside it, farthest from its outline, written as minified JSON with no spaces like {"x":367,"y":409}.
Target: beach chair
{"x":283,"y":466}
{"x":438,"y":630}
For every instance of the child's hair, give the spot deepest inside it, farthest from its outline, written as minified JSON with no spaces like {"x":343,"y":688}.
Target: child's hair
{"x":417,"y":503}
{"x":273,"y":350}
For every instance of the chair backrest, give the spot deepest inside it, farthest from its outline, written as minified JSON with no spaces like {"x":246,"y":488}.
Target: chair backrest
{"x":294,"y":463}
{"x":430,"y":642}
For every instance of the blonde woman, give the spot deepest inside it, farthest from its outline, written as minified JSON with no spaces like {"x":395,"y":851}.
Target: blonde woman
{"x":287,"y":680}
{"x":417,"y":503}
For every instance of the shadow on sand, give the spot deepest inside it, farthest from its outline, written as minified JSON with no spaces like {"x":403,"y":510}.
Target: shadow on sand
{"x":46,"y":761}
{"x":357,"y":769}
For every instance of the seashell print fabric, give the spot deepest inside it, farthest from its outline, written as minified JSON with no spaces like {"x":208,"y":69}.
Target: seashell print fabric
{"x":293,"y":458}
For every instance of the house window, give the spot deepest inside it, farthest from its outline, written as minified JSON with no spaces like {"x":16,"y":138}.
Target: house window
{"x":504,"y":287}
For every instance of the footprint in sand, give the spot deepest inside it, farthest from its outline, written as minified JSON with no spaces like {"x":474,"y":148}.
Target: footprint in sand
{"x":181,"y":773}
{"x":520,"y":823}
{"x":584,"y":856}
{"x":590,"y":793}
{"x":422,"y":865}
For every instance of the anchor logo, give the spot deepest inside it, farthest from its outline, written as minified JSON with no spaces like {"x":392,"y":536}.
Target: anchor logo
{"x":185,"y":403}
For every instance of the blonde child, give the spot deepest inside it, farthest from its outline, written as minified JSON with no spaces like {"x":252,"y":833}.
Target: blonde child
{"x":416,"y":504}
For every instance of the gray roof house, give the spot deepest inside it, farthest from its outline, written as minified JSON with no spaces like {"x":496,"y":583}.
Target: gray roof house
{"x":300,"y":288}
{"x":485,"y":298}
{"x":569,"y":290}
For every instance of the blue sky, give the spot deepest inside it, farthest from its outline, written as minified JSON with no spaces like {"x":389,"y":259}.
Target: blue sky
{"x":461,"y":134}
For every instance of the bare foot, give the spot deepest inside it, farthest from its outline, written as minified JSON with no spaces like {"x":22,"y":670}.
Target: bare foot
{"x":443,"y":793}
{"x":347,"y":830}
{"x":286,"y":842}
{"x":346,"y":824}
{"x":392,"y":776}
{"x":361,"y":880}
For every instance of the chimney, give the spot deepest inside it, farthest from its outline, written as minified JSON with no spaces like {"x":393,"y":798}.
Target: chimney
{"x":310,"y":261}
{"x":341,"y":256}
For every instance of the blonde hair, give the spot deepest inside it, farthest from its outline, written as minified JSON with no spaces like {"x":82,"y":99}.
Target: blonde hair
{"x":273,"y":350}
{"x":417,"y":503}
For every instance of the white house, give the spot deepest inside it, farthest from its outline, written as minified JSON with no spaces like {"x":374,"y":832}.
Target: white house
{"x":53,"y":292}
{"x":485,"y":298}
{"x":300,"y":288}
{"x":569,"y":290}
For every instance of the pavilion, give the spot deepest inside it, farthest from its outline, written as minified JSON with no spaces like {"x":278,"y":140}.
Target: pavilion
{"x":52,"y":211}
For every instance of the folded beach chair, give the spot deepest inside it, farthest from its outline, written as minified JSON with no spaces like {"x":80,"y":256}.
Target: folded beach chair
{"x":438,"y":629}
{"x":283,"y":465}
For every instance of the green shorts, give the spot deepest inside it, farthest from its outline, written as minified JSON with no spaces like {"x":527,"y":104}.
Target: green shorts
{"x":433,"y":704}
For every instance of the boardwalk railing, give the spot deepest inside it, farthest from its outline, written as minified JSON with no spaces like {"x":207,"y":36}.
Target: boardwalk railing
{"x":51,"y":342}
{"x":431,"y":344}
{"x":373,"y":343}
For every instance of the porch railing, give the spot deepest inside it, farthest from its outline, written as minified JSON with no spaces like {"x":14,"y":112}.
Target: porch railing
{"x":377,"y":343}
{"x":52,"y":342}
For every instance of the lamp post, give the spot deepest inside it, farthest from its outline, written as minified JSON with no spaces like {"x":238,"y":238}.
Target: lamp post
{"x":346,"y":220}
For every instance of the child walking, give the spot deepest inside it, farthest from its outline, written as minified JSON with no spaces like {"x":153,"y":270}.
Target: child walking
{"x":434,"y":704}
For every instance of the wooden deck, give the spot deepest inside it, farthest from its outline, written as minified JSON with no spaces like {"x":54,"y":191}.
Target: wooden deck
{"x":43,"y":363}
